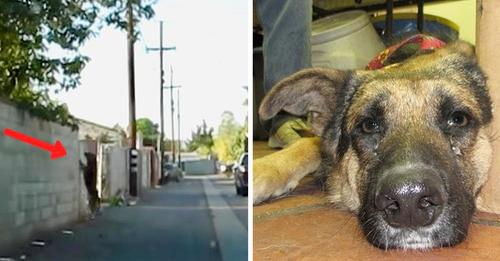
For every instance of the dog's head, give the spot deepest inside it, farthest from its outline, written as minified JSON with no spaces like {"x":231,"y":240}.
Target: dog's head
{"x":404,"y":147}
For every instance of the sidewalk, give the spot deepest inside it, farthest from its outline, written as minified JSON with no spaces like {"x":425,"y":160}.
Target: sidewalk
{"x":171,"y":223}
{"x":232,"y":235}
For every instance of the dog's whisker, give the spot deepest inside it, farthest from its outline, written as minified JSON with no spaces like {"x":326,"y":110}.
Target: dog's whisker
{"x":386,"y":240}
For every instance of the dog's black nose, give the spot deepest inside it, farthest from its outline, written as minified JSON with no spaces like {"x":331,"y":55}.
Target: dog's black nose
{"x":410,"y":198}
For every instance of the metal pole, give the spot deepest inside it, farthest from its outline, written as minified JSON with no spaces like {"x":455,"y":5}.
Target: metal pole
{"x":389,"y":18}
{"x":172,"y":111}
{"x":420,"y":16}
{"x":162,"y":131}
{"x":131,"y":84}
{"x":179,"y":125}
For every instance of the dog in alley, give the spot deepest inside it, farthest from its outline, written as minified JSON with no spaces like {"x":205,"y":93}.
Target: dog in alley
{"x":405,"y":148}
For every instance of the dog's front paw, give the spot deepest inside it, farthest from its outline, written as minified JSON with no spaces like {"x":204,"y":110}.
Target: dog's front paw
{"x":278,"y":173}
{"x":269,"y":180}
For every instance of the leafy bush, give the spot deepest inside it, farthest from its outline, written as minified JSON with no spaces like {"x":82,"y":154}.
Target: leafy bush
{"x":231,"y":140}
{"x":202,"y":140}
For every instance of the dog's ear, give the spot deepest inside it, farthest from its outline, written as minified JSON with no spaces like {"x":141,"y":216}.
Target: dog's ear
{"x":310,"y":92}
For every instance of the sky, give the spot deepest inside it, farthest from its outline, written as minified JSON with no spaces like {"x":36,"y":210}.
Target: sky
{"x":210,"y":63}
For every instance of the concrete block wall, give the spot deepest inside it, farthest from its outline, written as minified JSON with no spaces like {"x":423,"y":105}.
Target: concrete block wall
{"x":36,"y":193}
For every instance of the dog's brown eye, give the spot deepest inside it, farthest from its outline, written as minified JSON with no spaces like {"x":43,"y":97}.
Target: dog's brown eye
{"x":369,"y":126}
{"x":458,"y":119}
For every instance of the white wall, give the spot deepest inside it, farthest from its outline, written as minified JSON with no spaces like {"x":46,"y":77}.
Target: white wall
{"x":117,"y":179}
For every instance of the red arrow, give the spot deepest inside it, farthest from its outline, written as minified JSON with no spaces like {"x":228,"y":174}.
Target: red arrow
{"x":56,"y":151}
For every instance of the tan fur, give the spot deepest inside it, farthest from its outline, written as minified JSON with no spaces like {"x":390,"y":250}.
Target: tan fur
{"x":481,"y":159}
{"x":344,"y":189}
{"x":412,"y":107}
{"x":413,"y":102}
{"x":412,"y":90}
{"x":280,"y":172}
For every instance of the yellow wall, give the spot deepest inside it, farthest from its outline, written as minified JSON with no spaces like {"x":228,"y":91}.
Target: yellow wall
{"x":462,"y":12}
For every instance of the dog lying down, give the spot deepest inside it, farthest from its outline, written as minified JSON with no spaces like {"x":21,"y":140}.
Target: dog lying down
{"x":404,"y":148}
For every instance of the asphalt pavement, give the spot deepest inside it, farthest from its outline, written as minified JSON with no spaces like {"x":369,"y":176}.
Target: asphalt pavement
{"x":174,"y":222}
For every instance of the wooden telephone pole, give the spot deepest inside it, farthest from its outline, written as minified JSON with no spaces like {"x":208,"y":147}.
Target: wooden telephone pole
{"x":162,"y":81}
{"x":171,"y":87}
{"x":131,"y":88}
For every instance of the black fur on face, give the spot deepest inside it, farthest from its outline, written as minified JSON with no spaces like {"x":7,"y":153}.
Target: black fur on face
{"x":438,"y":140}
{"x":423,"y":120}
{"x":451,"y":225}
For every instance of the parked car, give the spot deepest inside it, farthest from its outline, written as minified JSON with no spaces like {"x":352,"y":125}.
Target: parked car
{"x":241,"y":175}
{"x":172,"y":172}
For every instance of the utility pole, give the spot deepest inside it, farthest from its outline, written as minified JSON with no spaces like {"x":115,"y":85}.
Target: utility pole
{"x":131,"y":88}
{"x":162,"y":81}
{"x":172,"y":110}
{"x":161,"y":99}
{"x":179,"y":125}
{"x":131,"y":74}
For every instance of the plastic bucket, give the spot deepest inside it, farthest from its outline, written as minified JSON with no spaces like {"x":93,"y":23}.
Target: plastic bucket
{"x":344,"y":41}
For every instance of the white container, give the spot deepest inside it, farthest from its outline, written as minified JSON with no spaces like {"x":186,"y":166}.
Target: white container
{"x":344,"y":41}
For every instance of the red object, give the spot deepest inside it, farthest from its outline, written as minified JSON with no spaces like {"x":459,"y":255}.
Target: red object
{"x":414,"y":45}
{"x":56,"y":151}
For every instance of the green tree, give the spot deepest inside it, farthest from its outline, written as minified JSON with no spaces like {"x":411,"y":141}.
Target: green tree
{"x":29,"y":28}
{"x":149,"y":131}
{"x":239,"y":143}
{"x":223,"y":142}
{"x":202,"y":140}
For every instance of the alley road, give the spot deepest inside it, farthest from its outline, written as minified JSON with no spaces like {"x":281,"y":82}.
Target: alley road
{"x":175,"y":222}
{"x":238,"y":204}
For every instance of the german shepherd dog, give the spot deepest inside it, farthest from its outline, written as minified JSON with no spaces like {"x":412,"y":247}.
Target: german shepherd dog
{"x":404,"y":148}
